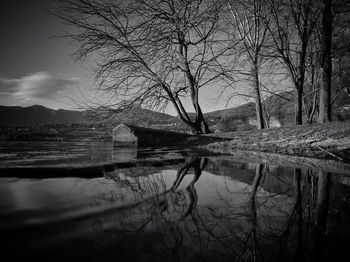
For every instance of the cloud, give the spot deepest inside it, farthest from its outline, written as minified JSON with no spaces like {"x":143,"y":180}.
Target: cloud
{"x":37,"y":85}
{"x":34,"y":87}
{"x":8,"y":86}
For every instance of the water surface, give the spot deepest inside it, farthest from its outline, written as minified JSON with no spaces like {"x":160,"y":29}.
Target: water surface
{"x":167,"y":205}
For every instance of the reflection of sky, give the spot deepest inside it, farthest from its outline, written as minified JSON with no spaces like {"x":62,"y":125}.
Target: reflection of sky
{"x":139,"y":200}
{"x":62,"y":196}
{"x":62,"y":154}
{"x":53,"y":194}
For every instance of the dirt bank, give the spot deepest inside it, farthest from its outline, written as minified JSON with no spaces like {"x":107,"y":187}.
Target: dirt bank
{"x":331,"y":141}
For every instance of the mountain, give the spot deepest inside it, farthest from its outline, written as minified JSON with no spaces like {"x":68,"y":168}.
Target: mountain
{"x":40,"y":115}
{"x":37,"y":115}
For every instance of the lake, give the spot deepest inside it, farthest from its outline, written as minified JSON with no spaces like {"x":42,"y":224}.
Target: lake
{"x":87,"y":201}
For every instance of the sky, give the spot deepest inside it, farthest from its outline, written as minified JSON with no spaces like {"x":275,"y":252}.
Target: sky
{"x":36,"y":67}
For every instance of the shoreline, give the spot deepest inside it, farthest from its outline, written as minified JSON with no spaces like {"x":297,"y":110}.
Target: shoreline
{"x":322,"y":141}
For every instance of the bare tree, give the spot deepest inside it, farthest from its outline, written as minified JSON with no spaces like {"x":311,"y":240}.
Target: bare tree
{"x":325,"y":114}
{"x":340,"y":89}
{"x":312,"y":80}
{"x":317,"y":97}
{"x":149,"y":53}
{"x":330,"y":49}
{"x":291,"y":26}
{"x":248,"y":20}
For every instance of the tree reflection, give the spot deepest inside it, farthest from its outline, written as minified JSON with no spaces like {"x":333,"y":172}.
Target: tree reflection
{"x":251,"y":251}
{"x":198,"y":164}
{"x":245,"y":222}
{"x":204,"y":208}
{"x":321,"y":214}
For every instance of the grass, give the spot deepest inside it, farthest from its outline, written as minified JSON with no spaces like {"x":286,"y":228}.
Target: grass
{"x":331,"y":140}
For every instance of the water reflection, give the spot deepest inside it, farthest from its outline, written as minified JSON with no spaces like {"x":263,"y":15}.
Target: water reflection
{"x":204,"y":209}
{"x":197,"y":164}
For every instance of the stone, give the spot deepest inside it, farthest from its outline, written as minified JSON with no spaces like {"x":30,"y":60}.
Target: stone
{"x":134,"y":136}
{"x":124,"y":136}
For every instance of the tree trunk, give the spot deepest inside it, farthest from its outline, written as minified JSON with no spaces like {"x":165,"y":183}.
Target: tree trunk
{"x":299,"y":106}
{"x":194,"y":127}
{"x":201,"y":124}
{"x":266,"y":115}
{"x":300,"y":81}
{"x":258,"y":104}
{"x":198,"y":127}
{"x":326,"y":65}
{"x":313,"y":109}
{"x":310,"y":110}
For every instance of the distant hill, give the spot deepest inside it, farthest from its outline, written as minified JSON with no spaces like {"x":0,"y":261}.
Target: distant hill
{"x":243,"y":111}
{"x":37,"y":115}
{"x":133,"y":116}
{"x":280,"y":107}
{"x":40,"y":115}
